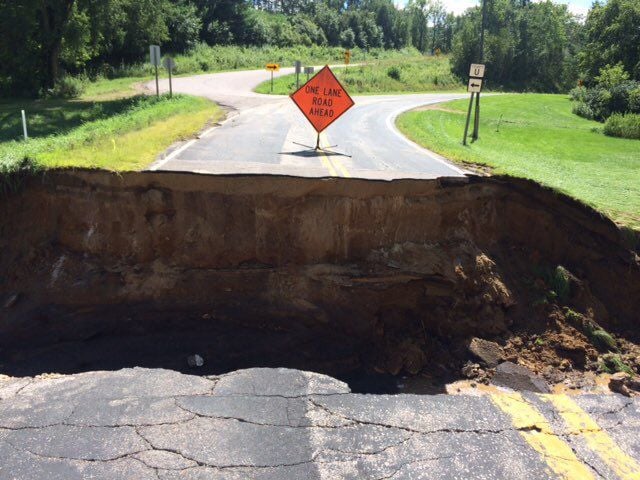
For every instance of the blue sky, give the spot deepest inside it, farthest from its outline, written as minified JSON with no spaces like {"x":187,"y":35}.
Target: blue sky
{"x":576,"y":6}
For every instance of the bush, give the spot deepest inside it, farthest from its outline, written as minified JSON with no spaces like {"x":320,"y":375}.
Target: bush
{"x":394,"y":72}
{"x":577,"y":94}
{"x":583,"y":110}
{"x":612,"y":76}
{"x":623,"y":126}
{"x":634,"y":101}
{"x":68,"y":87}
{"x":601,"y":102}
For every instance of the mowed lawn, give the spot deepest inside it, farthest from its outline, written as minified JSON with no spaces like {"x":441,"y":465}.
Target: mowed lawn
{"x":111,"y":127}
{"x":537,"y":137}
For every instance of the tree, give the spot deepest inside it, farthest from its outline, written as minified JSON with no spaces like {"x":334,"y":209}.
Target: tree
{"x":612,"y":37}
{"x":526,"y":44}
{"x":348,"y":38}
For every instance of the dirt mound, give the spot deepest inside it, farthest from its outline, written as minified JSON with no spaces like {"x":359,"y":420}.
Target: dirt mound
{"x":334,"y":275}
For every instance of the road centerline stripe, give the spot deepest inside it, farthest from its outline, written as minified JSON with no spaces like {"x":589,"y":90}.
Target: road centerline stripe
{"x":580,"y":423}
{"x":537,"y":432}
{"x":327,"y":164}
{"x":333,"y":161}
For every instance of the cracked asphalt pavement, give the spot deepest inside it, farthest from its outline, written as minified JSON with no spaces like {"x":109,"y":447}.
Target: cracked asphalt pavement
{"x":287,"y":424}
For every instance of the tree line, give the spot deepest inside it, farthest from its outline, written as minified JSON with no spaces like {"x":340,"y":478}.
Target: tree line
{"x":536,"y":46}
{"x":543,"y":47}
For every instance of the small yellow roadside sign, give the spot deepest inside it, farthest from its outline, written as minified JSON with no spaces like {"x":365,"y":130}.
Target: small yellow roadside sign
{"x":274,"y":67}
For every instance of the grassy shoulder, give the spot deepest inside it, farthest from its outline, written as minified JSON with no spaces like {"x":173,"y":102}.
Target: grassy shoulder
{"x":537,"y":137}
{"x":410,"y":74}
{"x":117,"y":134}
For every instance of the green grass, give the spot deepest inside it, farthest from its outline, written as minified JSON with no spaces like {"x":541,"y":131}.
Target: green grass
{"x":410,"y":74}
{"x":536,"y":136}
{"x":220,"y":58}
{"x":124,"y":134}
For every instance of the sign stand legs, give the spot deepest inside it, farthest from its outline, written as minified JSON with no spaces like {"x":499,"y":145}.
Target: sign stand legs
{"x":318,"y":142}
{"x":170,"y":85}
{"x":466,"y":126}
{"x":271,"y":81}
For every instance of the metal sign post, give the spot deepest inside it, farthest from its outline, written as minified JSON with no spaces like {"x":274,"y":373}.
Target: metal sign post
{"x":155,"y":61}
{"x":476,"y":75}
{"x":272,"y":67}
{"x":298,"y":66}
{"x":170,"y":64}
{"x":476,"y":124}
{"x":308,"y":71}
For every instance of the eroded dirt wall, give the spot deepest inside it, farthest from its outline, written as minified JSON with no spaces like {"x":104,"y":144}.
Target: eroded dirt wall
{"x":369,"y":259}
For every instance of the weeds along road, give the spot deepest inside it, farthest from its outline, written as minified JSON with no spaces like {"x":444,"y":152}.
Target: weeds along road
{"x":268,"y":134}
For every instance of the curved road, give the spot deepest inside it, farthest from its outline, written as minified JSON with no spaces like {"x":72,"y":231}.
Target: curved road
{"x":268,"y":134}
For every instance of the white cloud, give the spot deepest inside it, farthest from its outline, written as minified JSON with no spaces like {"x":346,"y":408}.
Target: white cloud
{"x":459,"y":6}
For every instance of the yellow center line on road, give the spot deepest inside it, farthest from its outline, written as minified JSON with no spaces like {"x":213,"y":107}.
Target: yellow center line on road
{"x":327,"y":164}
{"x":537,"y":432}
{"x":580,"y":423}
{"x":335,"y":161}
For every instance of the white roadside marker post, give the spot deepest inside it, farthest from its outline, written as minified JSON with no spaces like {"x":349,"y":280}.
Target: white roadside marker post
{"x":24,"y":125}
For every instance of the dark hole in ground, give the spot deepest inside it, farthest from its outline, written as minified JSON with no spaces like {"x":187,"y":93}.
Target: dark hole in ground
{"x":364,"y":281}
{"x":142,"y":337}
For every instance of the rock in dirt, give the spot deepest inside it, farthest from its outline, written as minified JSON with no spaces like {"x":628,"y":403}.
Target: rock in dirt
{"x":518,"y":378}
{"x":472,"y":370}
{"x":488,"y":352}
{"x":195,"y":361}
{"x":622,"y":382}
{"x":12,"y":300}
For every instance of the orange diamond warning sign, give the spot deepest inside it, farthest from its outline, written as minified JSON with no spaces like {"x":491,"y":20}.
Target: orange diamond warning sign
{"x":322,"y":99}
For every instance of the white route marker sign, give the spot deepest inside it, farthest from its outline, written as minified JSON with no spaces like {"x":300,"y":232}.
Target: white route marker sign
{"x":155,"y":56}
{"x":475,"y":85}
{"x":476,"y":70}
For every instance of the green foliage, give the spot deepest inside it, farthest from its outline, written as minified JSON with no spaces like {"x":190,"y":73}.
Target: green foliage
{"x":542,"y":140}
{"x":111,"y":38}
{"x":573,"y":317}
{"x":415,"y":73}
{"x":68,"y":87}
{"x":623,"y":126}
{"x":557,"y":281}
{"x":560,"y":282}
{"x":583,"y":110}
{"x":612,"y":363}
{"x":394,"y":72}
{"x":528,"y":46}
{"x":603,"y":339}
{"x":613,"y":93}
{"x":612,"y":76}
{"x":577,"y":94}
{"x":105,"y":122}
{"x":348,"y":38}
{"x":612,"y":38}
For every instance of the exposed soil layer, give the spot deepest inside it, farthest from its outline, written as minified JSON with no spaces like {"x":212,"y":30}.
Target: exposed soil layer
{"x":342,"y":276}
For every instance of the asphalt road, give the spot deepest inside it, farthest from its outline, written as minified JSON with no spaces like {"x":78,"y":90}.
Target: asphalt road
{"x":268,"y":134}
{"x":278,"y":424}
